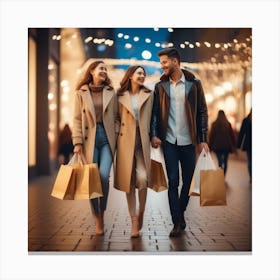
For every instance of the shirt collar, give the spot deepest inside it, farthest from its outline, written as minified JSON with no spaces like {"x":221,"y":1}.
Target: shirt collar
{"x":182,"y":79}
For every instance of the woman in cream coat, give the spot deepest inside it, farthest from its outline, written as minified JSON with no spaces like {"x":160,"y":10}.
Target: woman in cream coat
{"x":94,"y":129}
{"x":133,"y":143}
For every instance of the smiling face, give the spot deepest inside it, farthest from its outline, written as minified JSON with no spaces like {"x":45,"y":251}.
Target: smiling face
{"x":138,"y":77}
{"x":168,"y":64}
{"x":99,"y":74}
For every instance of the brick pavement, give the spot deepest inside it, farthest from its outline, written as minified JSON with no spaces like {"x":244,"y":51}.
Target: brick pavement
{"x":68,"y":226}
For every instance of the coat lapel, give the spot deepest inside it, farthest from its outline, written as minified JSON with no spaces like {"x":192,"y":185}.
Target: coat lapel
{"x":188,"y":86}
{"x":126,"y":102}
{"x":166,"y":86}
{"x":108,"y":94}
{"x":88,"y":103}
{"x":143,"y":96}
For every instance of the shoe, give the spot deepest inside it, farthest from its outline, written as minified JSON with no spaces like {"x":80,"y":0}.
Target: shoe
{"x":175,"y":232}
{"x":134,"y":227}
{"x":182,"y":221}
{"x":140,"y":220}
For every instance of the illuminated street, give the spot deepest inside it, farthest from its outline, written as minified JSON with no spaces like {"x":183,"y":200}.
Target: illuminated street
{"x":56,"y":225}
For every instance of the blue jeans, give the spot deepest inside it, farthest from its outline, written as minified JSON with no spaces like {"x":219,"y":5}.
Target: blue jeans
{"x":103,"y":158}
{"x":186,"y":156}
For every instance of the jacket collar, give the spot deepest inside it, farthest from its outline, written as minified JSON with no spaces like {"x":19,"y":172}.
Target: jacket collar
{"x":188,"y":76}
{"x":165,"y":82}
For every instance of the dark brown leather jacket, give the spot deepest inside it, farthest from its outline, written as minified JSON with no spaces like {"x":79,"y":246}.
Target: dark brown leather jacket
{"x":196,"y":108}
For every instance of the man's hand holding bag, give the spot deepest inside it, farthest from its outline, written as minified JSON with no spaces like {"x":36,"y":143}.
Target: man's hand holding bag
{"x":158,"y":171}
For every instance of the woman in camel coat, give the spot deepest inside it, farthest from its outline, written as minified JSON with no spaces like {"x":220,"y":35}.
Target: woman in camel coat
{"x":95,"y":129}
{"x":133,"y":143}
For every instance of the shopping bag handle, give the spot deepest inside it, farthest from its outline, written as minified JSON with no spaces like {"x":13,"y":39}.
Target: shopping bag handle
{"x":82,"y":158}
{"x":78,"y":158}
{"x":210,"y":160}
{"x":203,"y":152}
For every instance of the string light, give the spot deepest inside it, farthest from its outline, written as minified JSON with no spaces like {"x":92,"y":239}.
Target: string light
{"x":243,"y":49}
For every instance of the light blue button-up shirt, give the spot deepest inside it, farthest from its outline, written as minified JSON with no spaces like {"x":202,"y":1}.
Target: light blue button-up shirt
{"x":177,"y":126}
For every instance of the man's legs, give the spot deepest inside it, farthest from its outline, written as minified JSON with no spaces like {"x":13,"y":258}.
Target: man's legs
{"x":172,"y":167}
{"x":187,"y":157}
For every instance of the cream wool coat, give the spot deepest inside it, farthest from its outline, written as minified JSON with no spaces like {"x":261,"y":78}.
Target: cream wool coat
{"x":84,"y":123}
{"x":127,"y":134}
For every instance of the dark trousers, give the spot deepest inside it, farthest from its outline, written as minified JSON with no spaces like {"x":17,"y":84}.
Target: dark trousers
{"x":186,"y":156}
{"x":222,"y":157}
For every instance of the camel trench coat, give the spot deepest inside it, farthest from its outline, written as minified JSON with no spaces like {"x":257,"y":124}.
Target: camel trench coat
{"x":127,"y":134}
{"x":84,"y":123}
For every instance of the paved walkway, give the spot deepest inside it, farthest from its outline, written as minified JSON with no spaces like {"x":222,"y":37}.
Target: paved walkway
{"x":68,"y":226}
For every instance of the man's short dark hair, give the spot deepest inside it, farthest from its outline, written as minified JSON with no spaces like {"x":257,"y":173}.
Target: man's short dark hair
{"x":170,"y":52}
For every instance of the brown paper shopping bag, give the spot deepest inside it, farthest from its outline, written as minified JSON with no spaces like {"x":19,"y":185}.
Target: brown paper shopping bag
{"x":204,"y":162}
{"x":77,"y":180}
{"x":158,"y":180}
{"x":88,"y":183}
{"x":158,"y":172}
{"x":212,"y":187}
{"x":64,"y":186}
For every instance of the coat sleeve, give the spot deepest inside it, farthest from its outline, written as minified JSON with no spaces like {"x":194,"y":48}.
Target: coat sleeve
{"x":155,"y":119}
{"x":202,"y":114}
{"x":232,"y":137}
{"x":241,"y":134}
{"x":77,"y":135}
{"x":116,"y":115}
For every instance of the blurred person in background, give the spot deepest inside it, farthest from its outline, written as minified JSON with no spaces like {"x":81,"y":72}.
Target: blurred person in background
{"x":244,"y":141}
{"x":221,"y":139}
{"x":65,"y":145}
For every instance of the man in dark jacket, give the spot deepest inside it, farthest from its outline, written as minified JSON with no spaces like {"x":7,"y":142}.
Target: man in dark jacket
{"x":179,"y":122}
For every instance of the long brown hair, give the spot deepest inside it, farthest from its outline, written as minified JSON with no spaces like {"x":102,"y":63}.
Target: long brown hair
{"x":126,"y":82}
{"x":87,"y":78}
{"x":221,"y":120}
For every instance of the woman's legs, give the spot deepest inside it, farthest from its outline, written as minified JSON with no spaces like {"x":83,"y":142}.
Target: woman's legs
{"x":131,"y":203}
{"x":222,"y":159}
{"x":141,"y":183}
{"x":103,"y":158}
{"x":141,"y":180}
{"x":142,"y":195}
{"x":136,"y":220}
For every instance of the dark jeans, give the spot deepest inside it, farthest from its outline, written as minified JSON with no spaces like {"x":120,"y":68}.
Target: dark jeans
{"x":186,"y":156}
{"x":103,"y":158}
{"x":222,"y":159}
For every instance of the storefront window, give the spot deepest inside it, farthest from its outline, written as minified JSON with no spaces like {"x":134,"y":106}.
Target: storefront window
{"x":31,"y":102}
{"x":53,"y":107}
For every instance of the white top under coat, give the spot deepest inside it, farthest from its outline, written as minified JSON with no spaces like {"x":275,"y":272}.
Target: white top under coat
{"x":134,"y":101}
